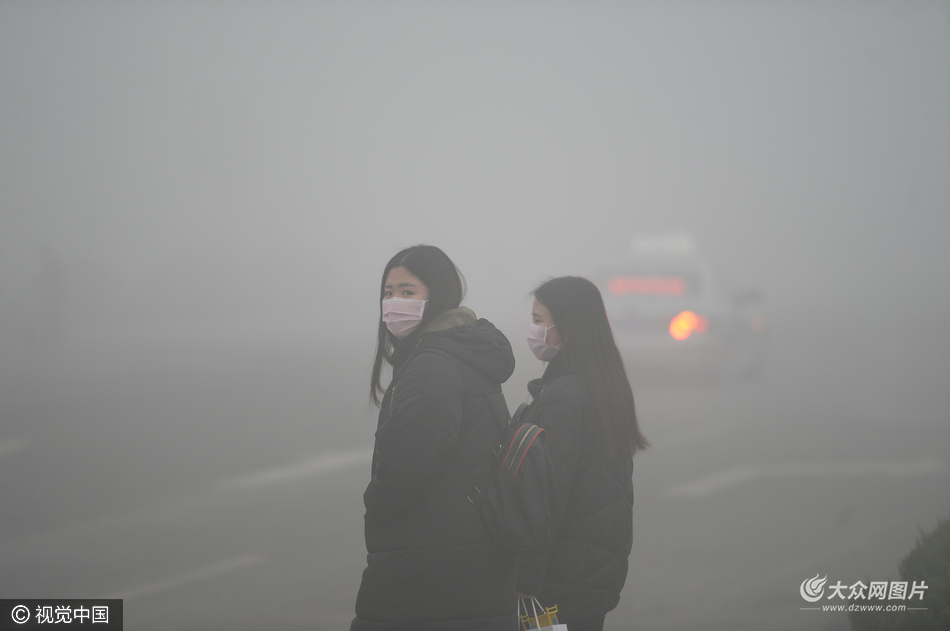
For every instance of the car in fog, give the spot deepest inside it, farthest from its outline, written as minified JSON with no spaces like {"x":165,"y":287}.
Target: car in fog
{"x":667,"y":313}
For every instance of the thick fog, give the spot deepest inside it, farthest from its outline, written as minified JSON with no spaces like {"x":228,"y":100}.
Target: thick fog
{"x":186,"y":169}
{"x":180,"y":180}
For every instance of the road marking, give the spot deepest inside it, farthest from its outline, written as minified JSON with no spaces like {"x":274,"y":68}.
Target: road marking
{"x":703,"y":433}
{"x":209,"y":571}
{"x":715,"y":482}
{"x":734,"y":476}
{"x":321,"y":463}
{"x":198,"y":499}
{"x":11,"y":446}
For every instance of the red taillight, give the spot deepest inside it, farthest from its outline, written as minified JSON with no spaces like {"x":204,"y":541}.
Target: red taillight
{"x":659,"y":285}
{"x":683,"y":325}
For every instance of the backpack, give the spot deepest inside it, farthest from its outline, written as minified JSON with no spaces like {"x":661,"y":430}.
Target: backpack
{"x":514,"y":498}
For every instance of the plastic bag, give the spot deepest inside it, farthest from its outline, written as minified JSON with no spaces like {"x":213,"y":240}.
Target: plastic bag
{"x":538,"y":618}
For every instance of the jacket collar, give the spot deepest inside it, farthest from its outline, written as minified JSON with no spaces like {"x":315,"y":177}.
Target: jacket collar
{"x":450,"y":319}
{"x":555,"y":368}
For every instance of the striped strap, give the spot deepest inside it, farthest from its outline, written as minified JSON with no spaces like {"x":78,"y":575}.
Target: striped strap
{"x":520,"y":444}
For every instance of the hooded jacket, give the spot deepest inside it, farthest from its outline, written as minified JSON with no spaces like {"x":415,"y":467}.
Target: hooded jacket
{"x":430,"y":562}
{"x":586,"y":568}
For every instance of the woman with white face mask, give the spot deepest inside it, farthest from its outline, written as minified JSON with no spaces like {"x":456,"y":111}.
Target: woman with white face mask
{"x":430,"y":563}
{"x":584,"y":402}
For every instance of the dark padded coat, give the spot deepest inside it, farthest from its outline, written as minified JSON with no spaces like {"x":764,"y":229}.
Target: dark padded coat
{"x":586,"y":568}
{"x":430,"y":563}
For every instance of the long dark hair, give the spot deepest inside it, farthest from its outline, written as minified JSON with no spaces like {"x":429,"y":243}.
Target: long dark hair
{"x":588,"y":346}
{"x":446,"y":287}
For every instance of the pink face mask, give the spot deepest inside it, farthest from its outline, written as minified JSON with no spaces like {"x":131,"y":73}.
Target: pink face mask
{"x":537,"y":337}
{"x":402,"y":315}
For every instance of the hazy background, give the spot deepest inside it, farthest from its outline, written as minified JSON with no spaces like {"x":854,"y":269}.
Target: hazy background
{"x":246,"y":168}
{"x":186,"y":180}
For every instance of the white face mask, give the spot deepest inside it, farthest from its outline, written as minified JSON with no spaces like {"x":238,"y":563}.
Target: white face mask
{"x":537,"y":338}
{"x":402,"y":315}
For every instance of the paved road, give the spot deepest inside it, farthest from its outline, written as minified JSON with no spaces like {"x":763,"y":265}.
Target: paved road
{"x":222,"y":489}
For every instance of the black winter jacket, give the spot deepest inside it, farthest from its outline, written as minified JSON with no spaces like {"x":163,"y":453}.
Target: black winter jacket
{"x":586,"y":568}
{"x":430,"y":563}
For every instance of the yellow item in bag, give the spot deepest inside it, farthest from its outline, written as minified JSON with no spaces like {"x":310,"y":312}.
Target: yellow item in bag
{"x":536,"y":620}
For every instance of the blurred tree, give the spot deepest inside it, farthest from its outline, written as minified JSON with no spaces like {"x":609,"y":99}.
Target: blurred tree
{"x":928,"y":562}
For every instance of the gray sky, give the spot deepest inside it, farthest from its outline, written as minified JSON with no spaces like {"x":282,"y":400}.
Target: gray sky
{"x":259,"y":162}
